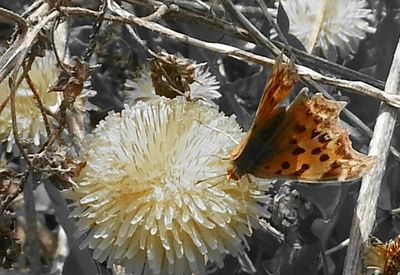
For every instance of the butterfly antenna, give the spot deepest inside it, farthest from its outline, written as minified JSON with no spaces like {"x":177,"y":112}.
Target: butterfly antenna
{"x":217,"y":130}
{"x":247,"y":215}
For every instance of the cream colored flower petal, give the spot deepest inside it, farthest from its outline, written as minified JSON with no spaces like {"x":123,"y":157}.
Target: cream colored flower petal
{"x":30,"y":122}
{"x":154,"y":196}
{"x":340,"y":23}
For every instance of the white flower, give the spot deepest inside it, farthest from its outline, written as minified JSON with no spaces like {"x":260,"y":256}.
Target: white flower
{"x":154,"y":196}
{"x":204,"y":87}
{"x":30,"y":122}
{"x":335,"y":23}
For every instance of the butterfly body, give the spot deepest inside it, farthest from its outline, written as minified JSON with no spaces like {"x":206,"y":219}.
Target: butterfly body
{"x":303,"y":141}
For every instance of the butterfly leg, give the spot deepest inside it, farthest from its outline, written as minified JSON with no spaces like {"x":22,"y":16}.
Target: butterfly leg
{"x":218,"y":131}
{"x":249,"y":180}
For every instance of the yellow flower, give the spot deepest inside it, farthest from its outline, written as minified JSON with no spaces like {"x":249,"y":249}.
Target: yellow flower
{"x":30,"y":122}
{"x":154,"y":197}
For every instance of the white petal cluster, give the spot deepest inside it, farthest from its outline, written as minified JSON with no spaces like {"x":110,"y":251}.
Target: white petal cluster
{"x":344,"y":23}
{"x":204,"y":87}
{"x":154,"y":197}
{"x":30,"y":122}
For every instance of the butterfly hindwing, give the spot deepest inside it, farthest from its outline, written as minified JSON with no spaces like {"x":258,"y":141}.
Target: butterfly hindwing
{"x":310,"y":145}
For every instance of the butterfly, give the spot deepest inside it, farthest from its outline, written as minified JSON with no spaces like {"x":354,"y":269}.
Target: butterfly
{"x":303,"y":141}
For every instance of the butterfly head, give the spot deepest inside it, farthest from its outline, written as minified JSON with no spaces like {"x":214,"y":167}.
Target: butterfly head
{"x":232,"y":174}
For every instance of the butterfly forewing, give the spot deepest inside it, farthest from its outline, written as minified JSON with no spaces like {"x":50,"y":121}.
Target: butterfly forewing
{"x":310,"y":145}
{"x":281,"y":81}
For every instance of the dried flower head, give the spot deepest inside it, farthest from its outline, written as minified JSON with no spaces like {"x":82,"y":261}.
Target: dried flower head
{"x":196,"y":83}
{"x":329,"y":24}
{"x":29,"y":118}
{"x":384,"y":257}
{"x":154,"y":197}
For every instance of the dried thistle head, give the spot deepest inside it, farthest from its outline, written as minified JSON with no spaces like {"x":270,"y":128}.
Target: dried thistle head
{"x":200,"y":84}
{"x":54,"y":162}
{"x":383,"y":257}
{"x":171,"y":75}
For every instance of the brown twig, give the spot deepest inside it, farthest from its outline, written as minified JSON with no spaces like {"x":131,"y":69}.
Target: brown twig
{"x":364,"y":214}
{"x":4,"y":103}
{"x":14,"y":84}
{"x":95,"y":30}
{"x":14,"y":56}
{"x":21,"y":22}
{"x":271,"y":21}
{"x":39,"y":103}
{"x":160,"y":12}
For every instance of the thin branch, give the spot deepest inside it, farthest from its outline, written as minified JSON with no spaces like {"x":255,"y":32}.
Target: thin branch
{"x":160,"y":12}
{"x":32,"y":7}
{"x":364,"y":214}
{"x":137,"y":38}
{"x":271,"y":21}
{"x":4,"y":103}
{"x":14,"y":84}
{"x":95,"y":30}
{"x":250,"y":27}
{"x":191,"y":5}
{"x":339,"y":247}
{"x":21,"y":22}
{"x":356,"y":86}
{"x":304,"y":72}
{"x":39,"y":103}
{"x":15,"y":54}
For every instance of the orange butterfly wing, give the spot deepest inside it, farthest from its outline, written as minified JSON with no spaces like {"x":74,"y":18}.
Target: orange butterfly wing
{"x":280,"y":83}
{"x":302,"y":142}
